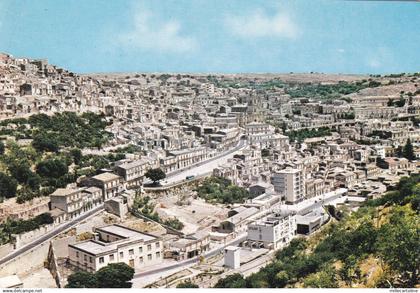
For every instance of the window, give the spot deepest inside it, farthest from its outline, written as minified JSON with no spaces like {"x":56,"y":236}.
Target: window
{"x":149,"y":247}
{"x":157,"y":254}
{"x":85,"y":257}
{"x":77,"y":254}
{"x":141,"y":259}
{"x":121,"y":254}
{"x":90,"y":259}
{"x":149,"y":257}
{"x":131,"y":252}
{"x":111,"y":257}
{"x":101,"y":259}
{"x":157,"y":244}
{"x":141,"y":249}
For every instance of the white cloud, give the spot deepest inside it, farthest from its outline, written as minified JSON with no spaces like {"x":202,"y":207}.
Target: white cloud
{"x":341,"y":50}
{"x":374,"y":63}
{"x":150,"y":34}
{"x":381,"y":57}
{"x":260,"y":25}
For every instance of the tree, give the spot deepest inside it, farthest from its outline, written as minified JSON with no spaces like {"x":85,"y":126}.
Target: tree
{"x":76,"y":155}
{"x":265,"y":152}
{"x":45,"y":143}
{"x":115,"y":275}
{"x":8,"y":186}
{"x":187,"y":284}
{"x":398,"y":244}
{"x":231,"y":281}
{"x":81,"y":279}
{"x":155,"y":175}
{"x":399,"y":151}
{"x":408,"y":151}
{"x":53,"y":168}
{"x":2,"y":148}
{"x":323,"y":279}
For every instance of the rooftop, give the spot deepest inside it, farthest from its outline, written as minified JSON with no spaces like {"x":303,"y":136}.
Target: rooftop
{"x":106,"y":177}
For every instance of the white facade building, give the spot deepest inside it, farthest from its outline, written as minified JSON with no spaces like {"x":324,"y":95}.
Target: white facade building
{"x":289,"y":183}
{"x":116,"y":243}
{"x":274,"y":231}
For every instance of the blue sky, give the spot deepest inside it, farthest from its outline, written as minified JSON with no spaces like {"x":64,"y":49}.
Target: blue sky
{"x":215,"y":35}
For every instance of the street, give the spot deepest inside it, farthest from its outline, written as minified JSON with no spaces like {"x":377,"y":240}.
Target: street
{"x":50,"y":234}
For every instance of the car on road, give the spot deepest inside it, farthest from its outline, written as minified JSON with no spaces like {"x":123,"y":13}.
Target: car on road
{"x":190,"y":177}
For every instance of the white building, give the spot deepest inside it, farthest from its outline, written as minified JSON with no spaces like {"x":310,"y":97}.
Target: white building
{"x":116,"y":243}
{"x":232,"y":257}
{"x":289,"y":183}
{"x":274,"y":231}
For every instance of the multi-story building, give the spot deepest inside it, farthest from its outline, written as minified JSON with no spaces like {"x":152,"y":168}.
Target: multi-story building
{"x":75,"y":202}
{"x":274,"y":231}
{"x":108,"y":182}
{"x":289,"y":183}
{"x":133,"y":172}
{"x":116,"y":243}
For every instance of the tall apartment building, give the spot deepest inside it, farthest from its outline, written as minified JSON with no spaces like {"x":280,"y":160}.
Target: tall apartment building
{"x":289,"y":183}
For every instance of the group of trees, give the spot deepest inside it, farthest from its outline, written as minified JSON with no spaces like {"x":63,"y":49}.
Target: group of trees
{"x":10,"y":227}
{"x":406,"y":151}
{"x":115,"y":275}
{"x":384,"y":231}
{"x":221,"y":190}
{"x":68,"y":129}
{"x":329,"y":91}
{"x":144,"y":206}
{"x":36,"y":169}
{"x":301,"y":135}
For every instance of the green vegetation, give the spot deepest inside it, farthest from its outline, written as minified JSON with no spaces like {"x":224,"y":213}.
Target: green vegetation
{"x":408,"y":151}
{"x":42,"y":166}
{"x":7,"y":186}
{"x":187,"y":284}
{"x":399,"y":103}
{"x":54,"y":168}
{"x":145,"y":207}
{"x":329,"y":91}
{"x":66,"y":129}
{"x":21,"y":226}
{"x":2,"y":148}
{"x":155,"y":175}
{"x":376,"y":246}
{"x":382,"y":134}
{"x":263,"y":85}
{"x":115,"y":275}
{"x":265,"y":153}
{"x":301,"y":135}
{"x":221,"y":190}
{"x":174,"y":223}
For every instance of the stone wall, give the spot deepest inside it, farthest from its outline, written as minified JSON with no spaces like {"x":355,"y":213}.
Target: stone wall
{"x":28,"y":237}
{"x":26,"y":262}
{"x":6,"y":249}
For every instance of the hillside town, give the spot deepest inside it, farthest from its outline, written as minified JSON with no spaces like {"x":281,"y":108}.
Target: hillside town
{"x":188,"y":178}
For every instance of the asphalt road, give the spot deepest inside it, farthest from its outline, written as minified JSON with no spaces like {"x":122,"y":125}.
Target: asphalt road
{"x":73,"y":222}
{"x":203,"y":167}
{"x":189,"y":261}
{"x":49,"y":235}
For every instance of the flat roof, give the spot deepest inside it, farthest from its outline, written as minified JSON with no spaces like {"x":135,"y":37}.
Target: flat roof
{"x":106,"y":176}
{"x":93,"y":247}
{"x":64,"y":191}
{"x":10,"y":281}
{"x":132,"y":164}
{"x":125,"y":232}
